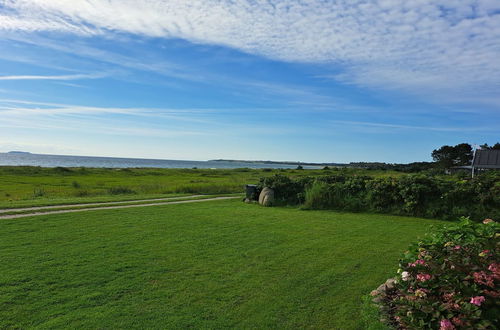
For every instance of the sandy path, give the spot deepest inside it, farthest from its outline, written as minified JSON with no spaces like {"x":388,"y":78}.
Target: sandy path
{"x":36,"y":208}
{"x":14,"y":216}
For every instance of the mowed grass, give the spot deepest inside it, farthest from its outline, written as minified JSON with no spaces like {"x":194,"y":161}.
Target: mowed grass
{"x":35,"y":186}
{"x":208,"y":265}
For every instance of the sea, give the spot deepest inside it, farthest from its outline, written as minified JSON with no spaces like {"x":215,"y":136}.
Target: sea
{"x":42,"y":160}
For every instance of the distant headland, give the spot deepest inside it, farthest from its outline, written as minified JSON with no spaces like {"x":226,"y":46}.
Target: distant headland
{"x":19,"y":152}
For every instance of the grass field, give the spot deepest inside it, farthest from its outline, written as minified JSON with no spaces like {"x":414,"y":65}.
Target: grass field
{"x":212,"y":265}
{"x":35,"y":186}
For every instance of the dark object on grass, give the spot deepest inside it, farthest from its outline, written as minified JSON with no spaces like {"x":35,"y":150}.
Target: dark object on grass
{"x":251,"y":192}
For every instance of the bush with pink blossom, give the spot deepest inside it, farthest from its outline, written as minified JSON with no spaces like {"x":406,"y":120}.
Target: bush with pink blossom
{"x":449,"y":280}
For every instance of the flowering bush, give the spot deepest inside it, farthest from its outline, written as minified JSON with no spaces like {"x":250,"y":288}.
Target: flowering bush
{"x":449,"y":280}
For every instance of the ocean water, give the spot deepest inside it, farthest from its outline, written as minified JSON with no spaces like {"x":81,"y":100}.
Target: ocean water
{"x":27,"y":159}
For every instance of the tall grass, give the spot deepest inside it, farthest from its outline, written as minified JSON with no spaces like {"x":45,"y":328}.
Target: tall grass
{"x":317,"y":197}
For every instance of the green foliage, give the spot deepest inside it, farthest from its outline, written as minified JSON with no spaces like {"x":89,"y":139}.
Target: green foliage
{"x":38,"y":192}
{"x":448,"y":156}
{"x":120,"y":190}
{"x":286,"y":190}
{"x":19,"y":181}
{"x":317,"y":196}
{"x":415,"y":195}
{"x":496,"y":146}
{"x":450,"y":280}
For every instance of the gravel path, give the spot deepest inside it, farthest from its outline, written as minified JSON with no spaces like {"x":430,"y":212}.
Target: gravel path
{"x":14,"y":216}
{"x":36,"y":208}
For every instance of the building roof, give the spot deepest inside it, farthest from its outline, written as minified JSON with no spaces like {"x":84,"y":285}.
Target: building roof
{"x":487,"y":158}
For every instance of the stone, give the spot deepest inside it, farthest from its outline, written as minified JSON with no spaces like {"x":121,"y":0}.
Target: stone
{"x":266,"y":197}
{"x":390,"y":284}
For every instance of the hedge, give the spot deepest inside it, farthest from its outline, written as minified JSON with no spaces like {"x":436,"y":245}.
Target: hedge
{"x":413,"y":195}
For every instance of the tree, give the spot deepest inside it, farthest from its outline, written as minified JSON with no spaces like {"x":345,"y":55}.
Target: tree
{"x":448,"y":156}
{"x":496,"y":146}
{"x":463,"y":154}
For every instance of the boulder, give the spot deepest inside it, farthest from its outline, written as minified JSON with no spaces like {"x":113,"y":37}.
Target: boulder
{"x":266,"y":197}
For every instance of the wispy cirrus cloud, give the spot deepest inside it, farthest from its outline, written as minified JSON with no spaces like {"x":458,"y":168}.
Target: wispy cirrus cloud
{"x":55,"y":77}
{"x":385,"y":127}
{"x":423,"y":46}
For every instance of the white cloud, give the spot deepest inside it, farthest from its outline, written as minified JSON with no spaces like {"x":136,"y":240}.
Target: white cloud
{"x":426,"y":46}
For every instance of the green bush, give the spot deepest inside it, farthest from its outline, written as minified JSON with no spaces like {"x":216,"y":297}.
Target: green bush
{"x":449,"y":280}
{"x":38,"y":192}
{"x":414,"y":195}
{"x":286,"y":190}
{"x":120,"y":190}
{"x":317,"y":196}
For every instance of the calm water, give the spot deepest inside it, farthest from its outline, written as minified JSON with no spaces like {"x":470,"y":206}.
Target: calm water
{"x":14,"y":159}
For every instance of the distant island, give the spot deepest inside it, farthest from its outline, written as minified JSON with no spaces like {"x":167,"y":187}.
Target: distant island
{"x":19,"y":152}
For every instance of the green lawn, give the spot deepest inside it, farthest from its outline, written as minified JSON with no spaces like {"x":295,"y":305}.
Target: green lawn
{"x":26,"y":186}
{"x":208,"y":265}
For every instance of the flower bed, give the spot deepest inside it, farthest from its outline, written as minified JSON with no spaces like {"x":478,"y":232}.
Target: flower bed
{"x":449,"y":280}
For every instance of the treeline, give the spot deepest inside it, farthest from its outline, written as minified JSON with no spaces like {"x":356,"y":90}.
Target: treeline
{"x":413,"y":194}
{"x":443,"y":157}
{"x":407,"y":168}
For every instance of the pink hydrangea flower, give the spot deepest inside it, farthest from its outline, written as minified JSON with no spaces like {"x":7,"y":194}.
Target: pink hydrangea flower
{"x":478,"y":300}
{"x":484,"y":278}
{"x":494,"y":294}
{"x":446,"y":325}
{"x":494,"y":268}
{"x":417,"y":262}
{"x":448,"y":296}
{"x":423,"y":277}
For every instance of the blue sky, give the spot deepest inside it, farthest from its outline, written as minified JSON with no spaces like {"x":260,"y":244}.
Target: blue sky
{"x":324,"y":81}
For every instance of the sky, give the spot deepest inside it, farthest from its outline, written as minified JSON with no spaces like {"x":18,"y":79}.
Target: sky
{"x":312,"y":81}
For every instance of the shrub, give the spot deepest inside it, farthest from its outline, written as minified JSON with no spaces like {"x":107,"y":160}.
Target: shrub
{"x":383,"y":195}
{"x":120,"y":190}
{"x":76,"y":185}
{"x":417,"y":192}
{"x":83,"y":193}
{"x":38,"y":192}
{"x":317,"y":196}
{"x":414,"y":195}
{"x":449,"y":280}
{"x":286,"y":190}
{"x":62,"y":170}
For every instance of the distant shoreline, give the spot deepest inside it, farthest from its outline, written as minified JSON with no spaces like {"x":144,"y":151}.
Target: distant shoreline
{"x":21,"y":158}
{"x":277,"y":162}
